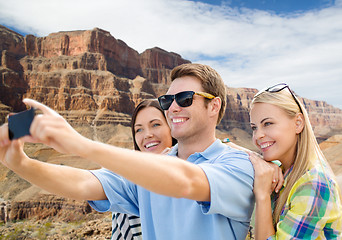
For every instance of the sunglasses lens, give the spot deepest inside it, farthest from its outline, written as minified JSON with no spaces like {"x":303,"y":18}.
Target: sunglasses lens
{"x":165,"y":101}
{"x":184,"y":99}
{"x":277,"y":88}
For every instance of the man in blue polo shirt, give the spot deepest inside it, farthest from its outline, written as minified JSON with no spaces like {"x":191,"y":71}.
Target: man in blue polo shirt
{"x":202,"y":190}
{"x":221,"y":204}
{"x":226,"y":216}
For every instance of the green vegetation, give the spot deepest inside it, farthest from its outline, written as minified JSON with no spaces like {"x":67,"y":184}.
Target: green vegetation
{"x":27,"y":230}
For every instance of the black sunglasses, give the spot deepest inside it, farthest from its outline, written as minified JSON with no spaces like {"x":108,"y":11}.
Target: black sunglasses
{"x":277,"y":88}
{"x":183,"y":99}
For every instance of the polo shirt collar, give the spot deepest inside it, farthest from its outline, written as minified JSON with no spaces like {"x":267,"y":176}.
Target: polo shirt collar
{"x":213,"y":150}
{"x":210,"y":153}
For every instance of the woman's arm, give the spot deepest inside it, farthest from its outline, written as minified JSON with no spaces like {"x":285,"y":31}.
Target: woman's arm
{"x":262,"y":190}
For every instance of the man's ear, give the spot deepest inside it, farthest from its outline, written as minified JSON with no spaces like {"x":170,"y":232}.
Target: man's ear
{"x":299,"y":122}
{"x":215,"y":105}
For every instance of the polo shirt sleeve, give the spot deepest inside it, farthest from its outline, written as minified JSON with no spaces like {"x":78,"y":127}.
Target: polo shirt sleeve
{"x":231,"y":178}
{"x":121,"y":194}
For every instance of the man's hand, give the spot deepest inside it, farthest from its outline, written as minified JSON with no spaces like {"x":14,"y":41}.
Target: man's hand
{"x":11,"y":152}
{"x":52,"y":129}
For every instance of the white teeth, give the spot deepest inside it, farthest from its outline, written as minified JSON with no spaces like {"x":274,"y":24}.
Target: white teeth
{"x":178,"y":120}
{"x":265,"y":145}
{"x":149,"y":145}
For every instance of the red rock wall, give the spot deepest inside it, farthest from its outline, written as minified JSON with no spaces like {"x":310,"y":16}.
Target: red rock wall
{"x":92,"y":73}
{"x":44,"y":207}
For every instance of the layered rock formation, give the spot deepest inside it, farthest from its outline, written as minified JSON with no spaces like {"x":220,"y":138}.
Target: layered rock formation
{"x":45,"y":207}
{"x":95,"y":81}
{"x":332,"y":149}
{"x":50,"y":217}
{"x":325,"y":119}
{"x":92,"y":78}
{"x":81,"y":73}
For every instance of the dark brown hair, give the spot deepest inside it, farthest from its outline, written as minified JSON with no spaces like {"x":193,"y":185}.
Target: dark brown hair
{"x":211,"y":81}
{"x":144,"y":104}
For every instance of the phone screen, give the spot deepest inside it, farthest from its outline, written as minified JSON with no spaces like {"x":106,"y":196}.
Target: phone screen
{"x":19,"y":124}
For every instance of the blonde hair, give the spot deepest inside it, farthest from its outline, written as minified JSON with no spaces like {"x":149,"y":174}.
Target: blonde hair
{"x":308,"y":152}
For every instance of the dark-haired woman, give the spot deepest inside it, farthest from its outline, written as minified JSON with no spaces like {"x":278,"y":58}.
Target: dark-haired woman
{"x":151,"y":133}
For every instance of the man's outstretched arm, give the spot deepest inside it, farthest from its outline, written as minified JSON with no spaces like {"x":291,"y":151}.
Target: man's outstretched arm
{"x":64,"y":181}
{"x":158,"y":173}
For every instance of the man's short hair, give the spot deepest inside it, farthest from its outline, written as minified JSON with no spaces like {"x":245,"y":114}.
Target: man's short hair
{"x":211,"y":81}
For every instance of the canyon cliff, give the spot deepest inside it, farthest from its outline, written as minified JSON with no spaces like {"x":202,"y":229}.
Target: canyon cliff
{"x":95,"y":81}
{"x":92,"y":78}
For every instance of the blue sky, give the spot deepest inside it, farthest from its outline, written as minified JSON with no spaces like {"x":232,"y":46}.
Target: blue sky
{"x":277,"y":6}
{"x":250,"y":43}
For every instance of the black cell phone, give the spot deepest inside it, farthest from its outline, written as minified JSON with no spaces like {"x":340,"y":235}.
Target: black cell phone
{"x":19,"y":124}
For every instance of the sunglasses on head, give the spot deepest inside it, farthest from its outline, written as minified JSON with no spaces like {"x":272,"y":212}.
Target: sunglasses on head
{"x":277,"y":88}
{"x":183,"y":99}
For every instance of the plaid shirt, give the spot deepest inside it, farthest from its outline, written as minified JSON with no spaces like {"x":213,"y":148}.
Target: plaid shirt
{"x":313,"y":208}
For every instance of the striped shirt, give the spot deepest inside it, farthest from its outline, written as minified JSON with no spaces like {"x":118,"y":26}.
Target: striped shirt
{"x":313,"y":208}
{"x":125,"y":227}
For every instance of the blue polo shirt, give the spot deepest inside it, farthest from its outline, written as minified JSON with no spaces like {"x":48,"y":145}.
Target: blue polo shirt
{"x":226,"y":216}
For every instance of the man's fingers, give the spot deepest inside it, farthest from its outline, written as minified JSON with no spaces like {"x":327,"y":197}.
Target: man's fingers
{"x":30,"y":139}
{"x":4,"y":138}
{"x":4,"y":143}
{"x":45,"y":109}
{"x":42,"y":127}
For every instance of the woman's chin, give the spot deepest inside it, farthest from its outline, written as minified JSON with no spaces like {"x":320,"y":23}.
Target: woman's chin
{"x":269,"y":158}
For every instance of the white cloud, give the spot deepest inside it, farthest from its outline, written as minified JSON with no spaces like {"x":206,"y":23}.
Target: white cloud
{"x":249,"y":48}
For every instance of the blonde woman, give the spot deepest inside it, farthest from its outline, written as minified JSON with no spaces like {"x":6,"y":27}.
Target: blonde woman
{"x":309,"y":205}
